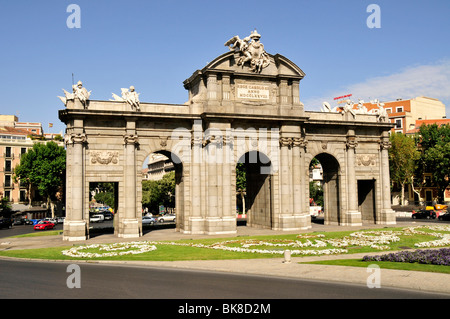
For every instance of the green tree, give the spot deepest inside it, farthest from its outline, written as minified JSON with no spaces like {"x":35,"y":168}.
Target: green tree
{"x":434,"y":144}
{"x":402,"y":160}
{"x":161,"y":192}
{"x":5,"y":207}
{"x":104,"y":193}
{"x":316,"y":193}
{"x":43,"y":167}
{"x":241,"y":183}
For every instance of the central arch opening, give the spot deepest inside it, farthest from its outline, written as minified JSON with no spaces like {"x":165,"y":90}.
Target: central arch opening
{"x":330,"y":186}
{"x":254,"y":189}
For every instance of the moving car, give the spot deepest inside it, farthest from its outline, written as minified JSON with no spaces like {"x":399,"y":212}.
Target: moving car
{"x":445,"y":216}
{"x":44,"y":225}
{"x":22,"y":221}
{"x":107,"y":214}
{"x":424,"y":213}
{"x":147,"y":220}
{"x":5,"y":222}
{"x":167,"y":218}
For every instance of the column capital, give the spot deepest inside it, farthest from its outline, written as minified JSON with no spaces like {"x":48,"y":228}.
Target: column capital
{"x":299,"y":142}
{"x":75,"y":138}
{"x":385,"y":144}
{"x":130,"y":139}
{"x":351,"y":142}
{"x":286,"y":141}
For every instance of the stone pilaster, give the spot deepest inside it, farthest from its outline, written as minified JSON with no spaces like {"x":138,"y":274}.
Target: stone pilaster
{"x":129,"y":224}
{"x":352,"y":216}
{"x":74,"y":224}
{"x":387,"y":214}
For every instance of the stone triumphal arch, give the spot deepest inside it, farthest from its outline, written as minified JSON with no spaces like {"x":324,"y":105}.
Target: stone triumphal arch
{"x":243,"y":106}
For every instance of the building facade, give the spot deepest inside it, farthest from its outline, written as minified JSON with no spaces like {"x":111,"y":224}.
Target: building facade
{"x":404,"y":113}
{"x":15,"y":139}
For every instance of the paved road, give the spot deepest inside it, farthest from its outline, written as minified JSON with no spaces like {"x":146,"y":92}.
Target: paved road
{"x":47,"y":280}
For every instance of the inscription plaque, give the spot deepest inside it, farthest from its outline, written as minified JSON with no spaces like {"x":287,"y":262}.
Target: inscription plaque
{"x":252,"y":91}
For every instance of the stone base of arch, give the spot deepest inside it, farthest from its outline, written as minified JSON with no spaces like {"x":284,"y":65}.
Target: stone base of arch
{"x":129,"y":228}
{"x":293,"y":223}
{"x":74,"y":230}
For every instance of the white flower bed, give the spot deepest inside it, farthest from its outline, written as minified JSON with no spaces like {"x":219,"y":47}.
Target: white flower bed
{"x":374,"y":239}
{"x":116,"y":249}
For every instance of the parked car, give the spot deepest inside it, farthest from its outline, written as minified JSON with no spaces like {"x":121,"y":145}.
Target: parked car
{"x":107,"y":214}
{"x":445,"y":216}
{"x":22,"y":221}
{"x":97,"y":218}
{"x":424,"y":213}
{"x":44,"y":225}
{"x":6,"y":223}
{"x":147,"y":220}
{"x":60,"y":220}
{"x":167,"y":218}
{"x":51,"y":220}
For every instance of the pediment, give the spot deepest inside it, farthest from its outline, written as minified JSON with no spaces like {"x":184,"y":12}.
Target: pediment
{"x":279,"y":66}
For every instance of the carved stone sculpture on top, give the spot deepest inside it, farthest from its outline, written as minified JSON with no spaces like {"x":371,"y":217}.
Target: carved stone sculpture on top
{"x":131,"y":97}
{"x":78,"y":92}
{"x":251,"y":50}
{"x":81,"y":93}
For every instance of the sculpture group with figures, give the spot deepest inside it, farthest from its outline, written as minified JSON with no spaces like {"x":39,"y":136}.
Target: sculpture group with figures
{"x":129,"y":96}
{"x":380,"y":111}
{"x":78,"y":92}
{"x":251,"y":50}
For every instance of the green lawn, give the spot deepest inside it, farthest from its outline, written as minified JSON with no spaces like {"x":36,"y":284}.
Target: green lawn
{"x":385,"y":265}
{"x":183,"y":250}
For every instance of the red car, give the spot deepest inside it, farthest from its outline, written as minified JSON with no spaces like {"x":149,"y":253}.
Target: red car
{"x":43,"y":224}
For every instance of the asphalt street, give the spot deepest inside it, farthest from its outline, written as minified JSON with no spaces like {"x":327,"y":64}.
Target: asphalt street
{"x":48,"y":280}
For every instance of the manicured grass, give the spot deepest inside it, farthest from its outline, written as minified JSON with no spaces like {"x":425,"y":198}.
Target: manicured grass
{"x":385,"y":265}
{"x":165,"y":252}
{"x":40,"y":233}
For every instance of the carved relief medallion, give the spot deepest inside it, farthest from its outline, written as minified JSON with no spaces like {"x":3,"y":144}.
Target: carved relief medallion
{"x":104,"y":157}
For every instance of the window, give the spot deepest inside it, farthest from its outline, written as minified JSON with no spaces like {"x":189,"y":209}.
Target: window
{"x":7,"y":181}
{"x":23,"y":196}
{"x":7,"y":166}
{"x":8,"y":151}
{"x":399,"y":109}
{"x":398,"y":123}
{"x":388,"y":110}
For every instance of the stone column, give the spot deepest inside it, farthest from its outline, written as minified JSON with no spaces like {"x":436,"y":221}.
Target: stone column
{"x":353,"y":217}
{"x":212,"y":210}
{"x":75,"y":224}
{"x":387,"y":214}
{"x":286,"y":219}
{"x":129,"y":225}
{"x":301,"y":203}
{"x":228,"y":201}
{"x":195,"y":221}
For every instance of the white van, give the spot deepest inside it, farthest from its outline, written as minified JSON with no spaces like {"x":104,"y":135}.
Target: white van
{"x":97,"y":218}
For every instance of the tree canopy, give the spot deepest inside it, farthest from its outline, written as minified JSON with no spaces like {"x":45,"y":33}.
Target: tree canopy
{"x":433,"y":142}
{"x":160,"y":192}
{"x":43,"y":167}
{"x":402,"y":160}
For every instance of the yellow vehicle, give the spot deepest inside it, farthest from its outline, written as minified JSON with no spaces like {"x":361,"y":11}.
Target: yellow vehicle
{"x":437,"y":207}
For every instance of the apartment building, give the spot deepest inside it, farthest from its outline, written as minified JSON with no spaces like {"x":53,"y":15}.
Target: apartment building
{"x":405,"y":113}
{"x":15,"y":139}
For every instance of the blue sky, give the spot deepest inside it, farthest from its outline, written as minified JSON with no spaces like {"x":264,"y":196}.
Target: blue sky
{"x":156,"y":45}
